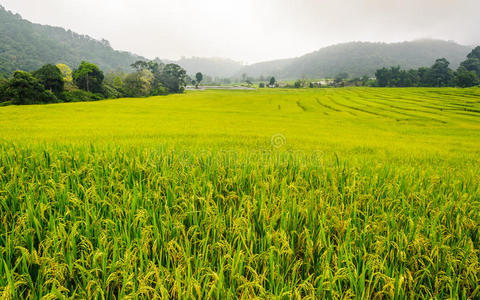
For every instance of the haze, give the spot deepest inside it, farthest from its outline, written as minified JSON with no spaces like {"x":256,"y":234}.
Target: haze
{"x":252,"y":31}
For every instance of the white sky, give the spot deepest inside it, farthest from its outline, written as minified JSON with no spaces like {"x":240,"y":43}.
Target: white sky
{"x":253,"y":30}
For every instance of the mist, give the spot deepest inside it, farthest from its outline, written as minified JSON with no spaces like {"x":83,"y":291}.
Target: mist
{"x":252,"y":31}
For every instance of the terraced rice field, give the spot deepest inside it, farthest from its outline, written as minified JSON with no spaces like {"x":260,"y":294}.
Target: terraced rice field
{"x":320,"y":193}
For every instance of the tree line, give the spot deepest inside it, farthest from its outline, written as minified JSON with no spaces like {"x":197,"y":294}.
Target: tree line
{"x":438,"y":75}
{"x":58,"y":83}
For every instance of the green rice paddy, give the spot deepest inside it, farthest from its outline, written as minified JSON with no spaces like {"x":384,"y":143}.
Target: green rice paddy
{"x":320,"y":193}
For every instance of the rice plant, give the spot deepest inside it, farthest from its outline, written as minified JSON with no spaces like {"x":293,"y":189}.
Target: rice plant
{"x":368,"y":193}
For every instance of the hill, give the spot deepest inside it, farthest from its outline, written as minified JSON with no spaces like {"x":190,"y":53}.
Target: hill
{"x":215,"y":67}
{"x":360,"y":58}
{"x":28,"y":46}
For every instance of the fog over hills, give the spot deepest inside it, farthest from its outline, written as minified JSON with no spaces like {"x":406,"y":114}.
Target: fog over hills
{"x":355,"y":58}
{"x":361,"y":58}
{"x":215,"y":67}
{"x":27,"y":46}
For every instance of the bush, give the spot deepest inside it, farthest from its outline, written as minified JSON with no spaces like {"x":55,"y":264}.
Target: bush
{"x":51,"y":77}
{"x":3,"y":89}
{"x":110,"y":92}
{"x":23,"y":89}
{"x":81,"y":95}
{"x":159,"y":91}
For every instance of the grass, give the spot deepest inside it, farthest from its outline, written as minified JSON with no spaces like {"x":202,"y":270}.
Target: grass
{"x":328,"y":193}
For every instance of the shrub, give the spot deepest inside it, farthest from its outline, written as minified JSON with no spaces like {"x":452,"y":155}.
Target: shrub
{"x":81,"y":95}
{"x":3,"y":89}
{"x":159,"y":91}
{"x":23,"y":88}
{"x":110,"y":92}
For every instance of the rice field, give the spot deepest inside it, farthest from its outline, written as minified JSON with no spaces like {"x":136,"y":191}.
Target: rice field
{"x":323,"y":193}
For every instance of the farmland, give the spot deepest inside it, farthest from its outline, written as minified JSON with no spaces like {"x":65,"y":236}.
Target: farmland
{"x":318,"y":193}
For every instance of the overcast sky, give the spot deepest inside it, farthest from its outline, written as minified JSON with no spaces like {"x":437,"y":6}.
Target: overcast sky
{"x":253,"y":30}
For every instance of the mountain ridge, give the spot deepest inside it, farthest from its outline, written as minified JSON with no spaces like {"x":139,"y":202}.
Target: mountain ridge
{"x":360,"y":58}
{"x":27,"y":46}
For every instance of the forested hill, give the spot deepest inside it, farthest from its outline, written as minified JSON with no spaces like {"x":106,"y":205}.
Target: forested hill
{"x":361,"y":58}
{"x":215,"y":67}
{"x":28,"y":46}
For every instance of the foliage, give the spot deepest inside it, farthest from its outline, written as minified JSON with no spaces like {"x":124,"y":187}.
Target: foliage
{"x":340,"y":79}
{"x":66,"y":73}
{"x":88,"y":77}
{"x":121,"y":200}
{"x":298,"y":84}
{"x":148,"y":80}
{"x":111,"y":92}
{"x":173,"y":78}
{"x":118,"y":83}
{"x":272,"y":82}
{"x":199,"y":78}
{"x":138,"y":84}
{"x":3,"y":89}
{"x":51,"y":77}
{"x":140,"y":65}
{"x":261,"y":85}
{"x":475,"y":53}
{"x":472,"y":64}
{"x":439,"y":74}
{"x":23,"y":88}
{"x":473,"y":61}
{"x":465,"y":78}
{"x":394,"y":77}
{"x":80,"y":95}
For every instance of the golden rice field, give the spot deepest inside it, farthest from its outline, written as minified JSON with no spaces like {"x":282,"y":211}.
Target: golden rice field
{"x":325,"y":193}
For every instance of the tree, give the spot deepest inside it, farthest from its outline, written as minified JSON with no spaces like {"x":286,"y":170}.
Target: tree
{"x":310,"y":85}
{"x":395,"y":77}
{"x":66,"y":73}
{"x":261,"y":85}
{"x":422,"y":76}
{"x":199,"y":77}
{"x":51,"y":77}
{"x":298,"y":84}
{"x":3,"y":89}
{"x":23,"y":88}
{"x":88,"y":77}
{"x":472,"y":64}
{"x":383,"y":77}
{"x":173,"y":78}
{"x":118,"y":83}
{"x":140,"y":65}
{"x":364,"y":80}
{"x":465,"y":78}
{"x":340,"y":78}
{"x":475,"y":53}
{"x":138,"y":84}
{"x":272,"y":81}
{"x":439,"y":74}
